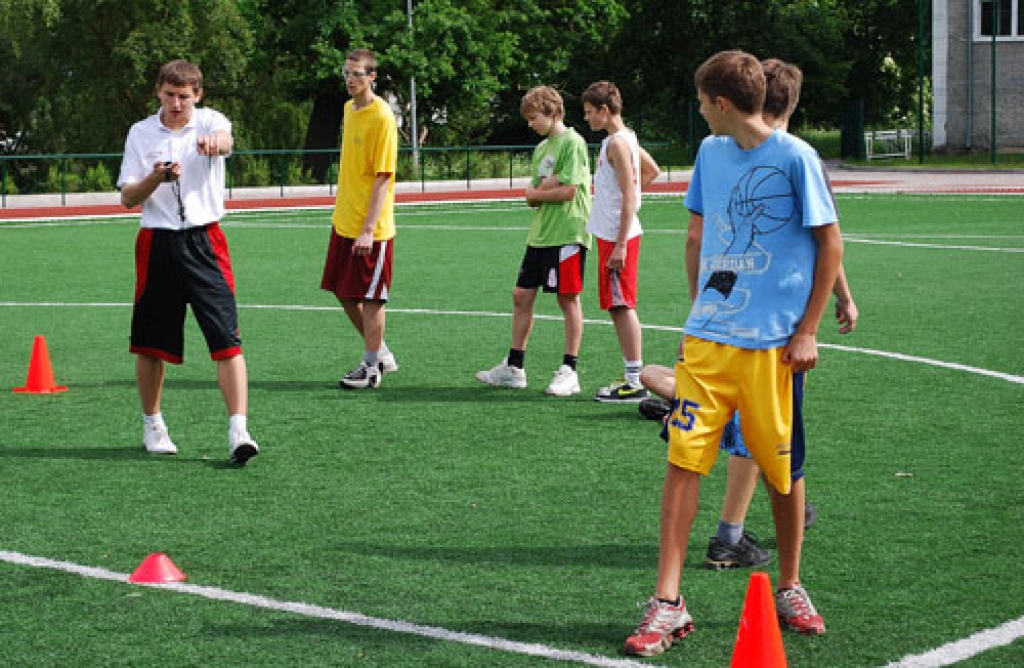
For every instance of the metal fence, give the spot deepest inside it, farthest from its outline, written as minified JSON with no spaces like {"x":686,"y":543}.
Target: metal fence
{"x":64,"y":174}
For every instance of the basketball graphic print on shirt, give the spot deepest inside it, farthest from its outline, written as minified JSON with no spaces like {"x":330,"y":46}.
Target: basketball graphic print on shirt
{"x":761,"y":202}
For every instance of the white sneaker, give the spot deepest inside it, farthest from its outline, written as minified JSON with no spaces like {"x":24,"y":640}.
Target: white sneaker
{"x":503,"y":375}
{"x":242,"y":446}
{"x":565,"y":382}
{"x":156,"y":440}
{"x":387,"y":362}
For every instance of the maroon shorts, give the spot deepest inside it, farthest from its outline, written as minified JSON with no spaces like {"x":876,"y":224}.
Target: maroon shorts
{"x":358,"y":277}
{"x":174,"y":269}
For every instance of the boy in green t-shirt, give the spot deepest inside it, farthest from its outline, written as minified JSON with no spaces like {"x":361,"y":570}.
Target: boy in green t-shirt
{"x":556,"y":247}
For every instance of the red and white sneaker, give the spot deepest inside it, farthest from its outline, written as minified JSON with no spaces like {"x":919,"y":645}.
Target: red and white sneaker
{"x":796,"y":611}
{"x":662,"y":624}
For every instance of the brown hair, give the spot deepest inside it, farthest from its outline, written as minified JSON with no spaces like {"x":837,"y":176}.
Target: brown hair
{"x":544,"y":100}
{"x":180,"y":73}
{"x":782,"y":88}
{"x":604,"y":93}
{"x":735,"y":75}
{"x":366,"y":56}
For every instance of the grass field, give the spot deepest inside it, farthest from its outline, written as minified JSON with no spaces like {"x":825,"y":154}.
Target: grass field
{"x":528,"y":521}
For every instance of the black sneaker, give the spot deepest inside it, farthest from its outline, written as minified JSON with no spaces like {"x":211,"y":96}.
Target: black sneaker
{"x":744,"y":554}
{"x":621,"y":391}
{"x":810,"y":515}
{"x":654,"y":408}
{"x":362,"y":377}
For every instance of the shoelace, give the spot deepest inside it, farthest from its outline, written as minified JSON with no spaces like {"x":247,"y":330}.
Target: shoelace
{"x":657,"y":617}
{"x":797,"y":603}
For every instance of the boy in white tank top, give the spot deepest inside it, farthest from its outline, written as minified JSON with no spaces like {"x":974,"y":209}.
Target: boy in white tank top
{"x":623,"y":168}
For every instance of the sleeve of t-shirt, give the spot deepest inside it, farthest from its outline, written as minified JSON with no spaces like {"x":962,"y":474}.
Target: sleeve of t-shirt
{"x":385,"y":154}
{"x":574,"y":169}
{"x":214,"y":121}
{"x":694,"y":197}
{"x":818,"y":205}
{"x":131,"y":163}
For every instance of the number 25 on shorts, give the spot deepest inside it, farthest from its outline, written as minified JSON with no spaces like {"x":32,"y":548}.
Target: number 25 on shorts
{"x":683,"y":414}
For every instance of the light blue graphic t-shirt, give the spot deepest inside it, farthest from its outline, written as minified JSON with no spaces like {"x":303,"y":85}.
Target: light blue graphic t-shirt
{"x":758,"y":251}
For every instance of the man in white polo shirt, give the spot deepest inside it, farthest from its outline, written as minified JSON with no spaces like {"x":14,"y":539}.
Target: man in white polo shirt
{"x":173,"y":166}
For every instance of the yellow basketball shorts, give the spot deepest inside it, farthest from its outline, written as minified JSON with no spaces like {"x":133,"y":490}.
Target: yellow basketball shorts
{"x":713,"y":381}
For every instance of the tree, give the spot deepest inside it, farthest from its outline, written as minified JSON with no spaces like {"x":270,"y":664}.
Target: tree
{"x":882,"y":40}
{"x":101,"y":61}
{"x":654,"y":56}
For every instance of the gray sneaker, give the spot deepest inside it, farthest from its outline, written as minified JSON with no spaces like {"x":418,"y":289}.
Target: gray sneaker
{"x":796,"y":611}
{"x":662,"y":624}
{"x":744,"y":554}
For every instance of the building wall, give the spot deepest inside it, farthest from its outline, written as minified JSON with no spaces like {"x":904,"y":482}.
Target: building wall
{"x":962,"y":80}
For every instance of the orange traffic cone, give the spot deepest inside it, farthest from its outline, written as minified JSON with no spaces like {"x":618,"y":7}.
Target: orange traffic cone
{"x":40,"y":373}
{"x":157,"y":568}
{"x":759,"y":640}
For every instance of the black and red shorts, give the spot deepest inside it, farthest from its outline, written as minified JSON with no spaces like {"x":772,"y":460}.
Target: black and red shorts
{"x":178,"y":268}
{"x":556,"y":269}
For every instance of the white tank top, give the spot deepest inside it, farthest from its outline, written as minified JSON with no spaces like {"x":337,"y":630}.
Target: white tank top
{"x":607,"y":205}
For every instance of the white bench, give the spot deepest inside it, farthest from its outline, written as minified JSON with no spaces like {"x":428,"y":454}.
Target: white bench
{"x":888,"y":143}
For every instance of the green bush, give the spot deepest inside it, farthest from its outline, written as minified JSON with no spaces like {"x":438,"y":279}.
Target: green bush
{"x":253,"y":171}
{"x":55,"y":182}
{"x":9,"y":187}
{"x":97,"y":179}
{"x":826,"y":142}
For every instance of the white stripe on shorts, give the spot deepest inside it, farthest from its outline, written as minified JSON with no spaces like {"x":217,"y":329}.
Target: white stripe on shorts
{"x":377,"y":272}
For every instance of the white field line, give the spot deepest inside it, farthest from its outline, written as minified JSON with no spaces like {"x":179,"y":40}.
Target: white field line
{"x":961,"y":650}
{"x":243,"y":223}
{"x":943,"y":656}
{"x":952,"y":366}
{"x":320,"y":612}
{"x":914,"y":244}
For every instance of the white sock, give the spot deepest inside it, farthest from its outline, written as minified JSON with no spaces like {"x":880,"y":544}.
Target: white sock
{"x":238,"y":422}
{"x":633,"y":372}
{"x":383,"y":351}
{"x":155,"y":420}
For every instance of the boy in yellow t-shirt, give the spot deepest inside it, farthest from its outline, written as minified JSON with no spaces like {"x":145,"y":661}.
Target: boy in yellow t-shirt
{"x":359,"y":258}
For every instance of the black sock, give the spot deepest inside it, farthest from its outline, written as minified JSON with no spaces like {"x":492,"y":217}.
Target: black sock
{"x":516,"y":358}
{"x":677,"y":602}
{"x":570,"y":361}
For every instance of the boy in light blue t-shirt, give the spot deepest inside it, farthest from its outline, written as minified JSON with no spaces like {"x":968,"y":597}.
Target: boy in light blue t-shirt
{"x":762,"y":255}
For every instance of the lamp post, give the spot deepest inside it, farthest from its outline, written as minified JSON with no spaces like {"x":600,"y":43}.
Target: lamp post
{"x":414,"y":131}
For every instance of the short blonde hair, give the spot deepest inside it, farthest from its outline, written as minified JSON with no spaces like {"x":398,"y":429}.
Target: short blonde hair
{"x":544,"y":100}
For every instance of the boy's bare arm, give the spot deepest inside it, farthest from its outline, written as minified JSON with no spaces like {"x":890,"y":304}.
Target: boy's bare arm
{"x":801,"y":352}
{"x":649,"y":169}
{"x":364,"y":242}
{"x":621,"y":160}
{"x":541,"y":194}
{"x":847,"y":313}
